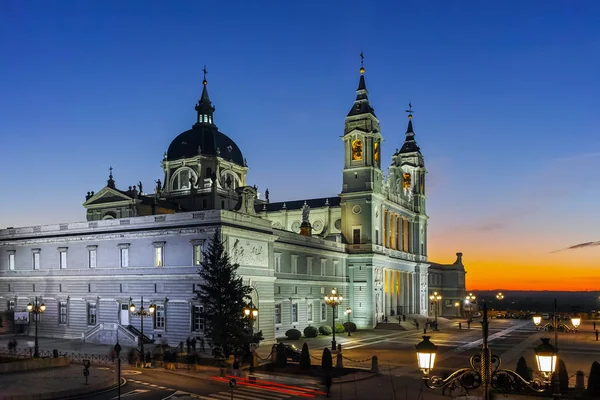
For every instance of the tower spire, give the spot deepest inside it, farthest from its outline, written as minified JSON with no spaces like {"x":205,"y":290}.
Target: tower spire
{"x":361,"y":104}
{"x":110,"y":183}
{"x":204,"y":108}
{"x":410,"y":145}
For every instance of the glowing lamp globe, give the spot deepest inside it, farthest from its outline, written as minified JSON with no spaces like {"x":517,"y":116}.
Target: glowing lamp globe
{"x":132,"y":307}
{"x":537,"y":320}
{"x":42,"y":307}
{"x":545,"y":356}
{"x":255,"y":312}
{"x":29,"y":307}
{"x":426,"y":352}
{"x":576,"y":321}
{"x":152,"y":308}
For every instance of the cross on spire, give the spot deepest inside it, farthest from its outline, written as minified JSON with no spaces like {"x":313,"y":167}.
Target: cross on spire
{"x":362,"y":59}
{"x":205,"y":72}
{"x":110,"y":172}
{"x":410,"y":110}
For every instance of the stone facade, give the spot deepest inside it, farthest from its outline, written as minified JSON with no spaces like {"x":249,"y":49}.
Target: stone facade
{"x":369,"y":242}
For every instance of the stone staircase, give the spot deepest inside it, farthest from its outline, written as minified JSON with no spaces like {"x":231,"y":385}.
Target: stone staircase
{"x":389,"y":326}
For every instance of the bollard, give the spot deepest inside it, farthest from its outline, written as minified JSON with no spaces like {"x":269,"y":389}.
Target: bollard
{"x":339,"y":347}
{"x":579,"y":385}
{"x":339,"y":363}
{"x":55,"y":353}
{"x":375,"y":365}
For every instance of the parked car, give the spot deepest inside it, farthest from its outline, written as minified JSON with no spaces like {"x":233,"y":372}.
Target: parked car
{"x":476,"y":314}
{"x":291,"y":352}
{"x":545,"y":316}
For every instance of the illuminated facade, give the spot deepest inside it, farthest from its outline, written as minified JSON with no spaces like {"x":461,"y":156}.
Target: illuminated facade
{"x":369,"y":242}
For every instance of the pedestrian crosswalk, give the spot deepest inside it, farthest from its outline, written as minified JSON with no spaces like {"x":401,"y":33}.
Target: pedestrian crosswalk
{"x":240,"y":392}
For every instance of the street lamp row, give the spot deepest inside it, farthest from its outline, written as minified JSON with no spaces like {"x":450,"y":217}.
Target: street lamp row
{"x":333,"y":300}
{"x":142,"y":312}
{"x":36,"y":309}
{"x":484,"y":370}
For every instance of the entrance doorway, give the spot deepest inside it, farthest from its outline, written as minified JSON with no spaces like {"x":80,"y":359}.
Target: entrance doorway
{"x":124,"y":317}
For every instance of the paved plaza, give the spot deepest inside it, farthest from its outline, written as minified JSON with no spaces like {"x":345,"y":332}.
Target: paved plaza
{"x":399,"y":375}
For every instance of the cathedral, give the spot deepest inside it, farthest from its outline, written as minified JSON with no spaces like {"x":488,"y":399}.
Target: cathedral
{"x":367,"y":241}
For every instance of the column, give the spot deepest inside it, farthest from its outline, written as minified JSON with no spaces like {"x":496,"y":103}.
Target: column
{"x":405,"y":292}
{"x":384,"y":230}
{"x":398,"y":230}
{"x":394,"y":291}
{"x":415,"y":292}
{"x":388,"y":297}
{"x":392,"y":231}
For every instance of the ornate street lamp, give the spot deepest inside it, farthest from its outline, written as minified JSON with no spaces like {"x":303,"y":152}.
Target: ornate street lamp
{"x":333,"y":300}
{"x":483,"y":372}
{"x":142,"y":312}
{"x":36,"y":309}
{"x":457,"y":305}
{"x":435,"y":299}
{"x":576,"y":321}
{"x":470,"y":299}
{"x":545,"y":356}
{"x":500,"y":296}
{"x":251,"y":313}
{"x":348,"y":312}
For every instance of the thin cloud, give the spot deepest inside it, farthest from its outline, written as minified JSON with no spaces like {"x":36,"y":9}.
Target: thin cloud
{"x":578,"y":157}
{"x":578,"y":246}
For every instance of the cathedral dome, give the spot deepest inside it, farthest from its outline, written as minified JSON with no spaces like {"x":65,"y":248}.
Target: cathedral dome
{"x":206,"y":140}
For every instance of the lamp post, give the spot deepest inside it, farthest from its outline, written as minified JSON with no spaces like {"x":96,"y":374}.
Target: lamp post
{"x":333,"y":300}
{"x":457,"y":305}
{"x":485,"y":369}
{"x":36,"y":309}
{"x":251,"y":313}
{"x":469,"y":300}
{"x":435,"y":299}
{"x":118,"y":353}
{"x":142,"y":312}
{"x":347,"y":312}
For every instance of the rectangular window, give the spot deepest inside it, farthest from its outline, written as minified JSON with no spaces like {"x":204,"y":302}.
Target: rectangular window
{"x":278,"y":314}
{"x":309,"y":311}
{"x":294,"y":312}
{"x":277,"y":262}
{"x":11,"y":261}
{"x":198,"y":318}
{"x":11,"y":305}
{"x":36,"y":259}
{"x":309,"y":261}
{"x":92,"y":256}
{"x":356,"y":236}
{"x":124,"y":256}
{"x":63,"y":257}
{"x":62,"y":312}
{"x":322,"y":290}
{"x":323,"y":311}
{"x":294,"y":264}
{"x":159,"y":254}
{"x":323,"y":266}
{"x":159,"y":317}
{"x":376,"y":236}
{"x":197,"y":247}
{"x":91,"y":313}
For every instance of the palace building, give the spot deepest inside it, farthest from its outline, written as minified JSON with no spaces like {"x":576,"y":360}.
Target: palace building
{"x":369,"y":241}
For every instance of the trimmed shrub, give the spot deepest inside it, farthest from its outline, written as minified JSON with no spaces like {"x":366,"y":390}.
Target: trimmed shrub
{"x":305,"y":357}
{"x":350,"y":326}
{"x":325,"y":330}
{"x":281,"y":360}
{"x":523,"y":370}
{"x":326,"y":362}
{"x":293,"y":334}
{"x":311,"y":332}
{"x":563,"y":376}
{"x":594,"y":380}
{"x":339,"y":328}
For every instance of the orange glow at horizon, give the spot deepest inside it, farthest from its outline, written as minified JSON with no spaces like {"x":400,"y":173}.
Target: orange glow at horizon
{"x":523,"y":267}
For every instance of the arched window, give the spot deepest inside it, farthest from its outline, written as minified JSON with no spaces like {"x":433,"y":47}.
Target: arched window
{"x":229,"y":180}
{"x":357,"y":149}
{"x":183,"y":179}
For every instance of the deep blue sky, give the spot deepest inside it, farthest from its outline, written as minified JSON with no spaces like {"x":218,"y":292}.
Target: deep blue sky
{"x":506,"y":95}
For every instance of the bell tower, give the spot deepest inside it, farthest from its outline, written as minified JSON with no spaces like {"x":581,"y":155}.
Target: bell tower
{"x":362,"y":174}
{"x":362,"y":143}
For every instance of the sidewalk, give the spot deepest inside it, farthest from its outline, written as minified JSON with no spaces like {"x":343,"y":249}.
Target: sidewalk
{"x":55,"y":383}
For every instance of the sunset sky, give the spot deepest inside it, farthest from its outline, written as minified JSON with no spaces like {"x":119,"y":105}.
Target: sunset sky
{"x":507,"y":100}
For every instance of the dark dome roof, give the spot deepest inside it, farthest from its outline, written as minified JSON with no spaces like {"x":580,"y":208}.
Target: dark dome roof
{"x":209,"y":139}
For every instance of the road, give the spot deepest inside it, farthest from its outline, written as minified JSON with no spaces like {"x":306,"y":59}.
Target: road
{"x":158,"y":384}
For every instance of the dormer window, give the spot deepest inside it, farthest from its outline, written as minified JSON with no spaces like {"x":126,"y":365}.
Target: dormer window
{"x":183,"y":179}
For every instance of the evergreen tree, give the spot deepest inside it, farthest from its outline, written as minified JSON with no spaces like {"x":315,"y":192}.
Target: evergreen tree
{"x":594,"y":380}
{"x":326,"y":361}
{"x":563,"y":376}
{"x":223,"y":295}
{"x":305,"y":357}
{"x":523,"y":369}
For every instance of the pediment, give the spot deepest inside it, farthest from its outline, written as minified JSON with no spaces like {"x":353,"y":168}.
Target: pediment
{"x":107,"y":195}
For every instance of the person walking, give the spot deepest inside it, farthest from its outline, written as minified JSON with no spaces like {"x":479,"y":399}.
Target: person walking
{"x":188,"y":344}
{"x":148,"y":361}
{"x":327,"y":383}
{"x":193,"y":344}
{"x":202,"y":344}
{"x":594,"y":325}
